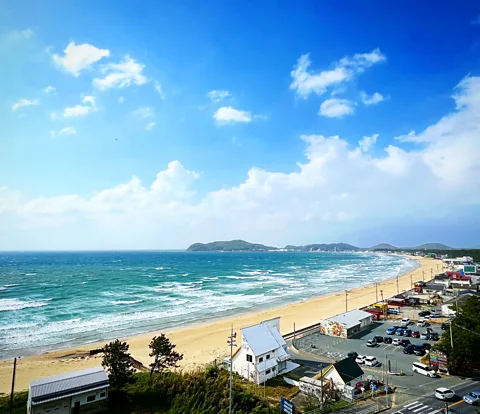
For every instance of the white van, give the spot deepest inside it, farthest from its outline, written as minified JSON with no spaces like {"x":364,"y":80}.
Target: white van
{"x":423,"y":369}
{"x":405,"y":322}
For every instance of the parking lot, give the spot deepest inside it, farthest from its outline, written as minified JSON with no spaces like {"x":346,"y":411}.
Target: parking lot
{"x":337,"y":348}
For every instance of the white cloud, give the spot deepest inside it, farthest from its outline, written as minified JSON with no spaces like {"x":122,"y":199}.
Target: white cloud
{"x":79,"y":57}
{"x":218,"y":95}
{"x":88,"y":106}
{"x":337,"y":189}
{"x":24,"y":102}
{"x":228,"y":115}
{"x":158,"y":88}
{"x":49,"y":89}
{"x":121,"y":99}
{"x":372,"y":99}
{"x":150,"y":126}
{"x":336,"y":108}
{"x":121,"y":75}
{"x":11,"y":37}
{"x":64,"y":131}
{"x":144,"y":112}
{"x":305,"y":82}
{"x":367,"y":142}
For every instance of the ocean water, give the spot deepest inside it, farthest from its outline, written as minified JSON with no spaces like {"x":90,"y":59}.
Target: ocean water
{"x":57,"y":300}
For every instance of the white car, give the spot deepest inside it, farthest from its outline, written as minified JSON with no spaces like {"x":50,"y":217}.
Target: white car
{"x":371,"y":361}
{"x":405,"y":322}
{"x":421,"y":322}
{"x":444,"y":394}
{"x":396,"y":341}
{"x":360,"y":359}
{"x":424,"y":335}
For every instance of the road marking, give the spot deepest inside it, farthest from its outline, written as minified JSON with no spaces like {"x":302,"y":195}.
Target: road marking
{"x":408,"y":405}
{"x":421,"y":408}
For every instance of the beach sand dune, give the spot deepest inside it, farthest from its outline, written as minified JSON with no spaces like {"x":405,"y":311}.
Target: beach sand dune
{"x":202,"y":343}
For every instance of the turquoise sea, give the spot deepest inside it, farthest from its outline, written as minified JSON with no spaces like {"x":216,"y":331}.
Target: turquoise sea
{"x":55,"y":300}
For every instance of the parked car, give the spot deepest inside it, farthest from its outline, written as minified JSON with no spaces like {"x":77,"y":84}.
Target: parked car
{"x":445,"y":326}
{"x":405,"y":342}
{"x":391,"y":330}
{"x":427,"y":317}
{"x":387,"y":340}
{"x":424,"y":313}
{"x":435,"y":313}
{"x":415,"y":334}
{"x":378,"y":338}
{"x":405,"y":322}
{"x":426,"y":346}
{"x":444,"y":394}
{"x":371,"y":343}
{"x":472,"y":398}
{"x":422,"y":323}
{"x":424,"y":335}
{"x":407,"y":332}
{"x":433,"y":336}
{"x":371,"y":361}
{"x":408,"y":349}
{"x":396,"y":341}
{"x":418,"y":350}
{"x":393,"y":311}
{"x":399,"y":332}
{"x":360,"y":359}
{"x":352,"y":355}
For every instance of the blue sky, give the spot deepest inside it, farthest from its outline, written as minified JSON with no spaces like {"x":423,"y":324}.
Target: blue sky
{"x":215,"y":99}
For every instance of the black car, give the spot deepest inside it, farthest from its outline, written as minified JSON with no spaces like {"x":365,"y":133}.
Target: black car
{"x":378,"y":338}
{"x":426,"y":345}
{"x":424,"y":313}
{"x":405,"y":342}
{"x":352,"y":354}
{"x":433,"y":336}
{"x":408,"y":349}
{"x":387,"y":340}
{"x":418,"y":350}
{"x":407,"y":332}
{"x":445,"y":326}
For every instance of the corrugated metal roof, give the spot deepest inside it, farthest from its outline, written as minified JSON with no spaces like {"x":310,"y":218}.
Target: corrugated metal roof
{"x":351,"y":318}
{"x":263,"y":338}
{"x":68,"y":383}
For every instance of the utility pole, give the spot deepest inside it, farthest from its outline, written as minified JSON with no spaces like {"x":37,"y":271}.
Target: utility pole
{"x":376,"y":291}
{"x":411,"y":281}
{"x":346,"y":300}
{"x":397,"y":286}
{"x":431,"y":273}
{"x":423,"y":273}
{"x":321,"y":384}
{"x":383,"y":306}
{"x":231,"y":342}
{"x":13,"y":384}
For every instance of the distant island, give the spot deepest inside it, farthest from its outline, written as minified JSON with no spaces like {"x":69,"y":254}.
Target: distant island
{"x":244,"y":246}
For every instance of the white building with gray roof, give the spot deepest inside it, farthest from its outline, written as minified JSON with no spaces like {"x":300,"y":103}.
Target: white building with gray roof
{"x":79,"y":392}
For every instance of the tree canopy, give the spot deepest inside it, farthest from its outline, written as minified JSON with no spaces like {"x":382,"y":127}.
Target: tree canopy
{"x":162,"y":350}
{"x":118,"y":362}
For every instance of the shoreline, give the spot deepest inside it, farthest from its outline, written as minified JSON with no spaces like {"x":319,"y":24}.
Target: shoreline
{"x":212,"y":333}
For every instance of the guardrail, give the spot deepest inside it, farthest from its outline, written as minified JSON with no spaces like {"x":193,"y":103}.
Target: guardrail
{"x":301,"y":332}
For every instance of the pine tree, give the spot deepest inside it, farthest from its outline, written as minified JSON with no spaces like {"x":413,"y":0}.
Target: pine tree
{"x":164,"y":355}
{"x":118,"y":362}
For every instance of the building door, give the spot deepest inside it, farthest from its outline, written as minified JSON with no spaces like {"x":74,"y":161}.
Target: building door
{"x":76,"y":407}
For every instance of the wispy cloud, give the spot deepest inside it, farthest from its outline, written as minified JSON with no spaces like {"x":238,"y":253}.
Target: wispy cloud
{"x":305,"y":81}
{"x":144,"y":112}
{"x":24,"y":102}
{"x":158,"y":88}
{"x":120,"y":75}
{"x":372,"y":99}
{"x":218,"y":95}
{"x":49,"y":89}
{"x":150,"y":126}
{"x":12,"y":36}
{"x":64,"y":131}
{"x":88,"y":105}
{"x":228,"y":115}
{"x":121,"y":99}
{"x":79,"y":57}
{"x":336,"y":108}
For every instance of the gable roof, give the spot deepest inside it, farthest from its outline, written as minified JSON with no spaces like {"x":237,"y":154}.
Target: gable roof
{"x":67,"y":384}
{"x":351,"y":318}
{"x":348,"y":369}
{"x":262,"y":339}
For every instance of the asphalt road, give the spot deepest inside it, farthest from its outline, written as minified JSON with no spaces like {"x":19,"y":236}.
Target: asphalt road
{"x":430,"y":405}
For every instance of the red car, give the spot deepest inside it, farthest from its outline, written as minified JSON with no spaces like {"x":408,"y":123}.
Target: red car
{"x":416,"y":334}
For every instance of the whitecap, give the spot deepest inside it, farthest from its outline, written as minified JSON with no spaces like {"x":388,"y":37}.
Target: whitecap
{"x":17,"y":304}
{"x":126,"y":302}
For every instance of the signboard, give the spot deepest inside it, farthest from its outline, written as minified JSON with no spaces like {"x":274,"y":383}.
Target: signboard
{"x":286,"y":406}
{"x":438,"y":361}
{"x":469,"y":268}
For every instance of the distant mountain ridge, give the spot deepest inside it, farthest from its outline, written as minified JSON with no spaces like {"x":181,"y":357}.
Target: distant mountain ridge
{"x":244,"y":246}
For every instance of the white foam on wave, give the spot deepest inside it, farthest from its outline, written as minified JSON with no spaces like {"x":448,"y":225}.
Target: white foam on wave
{"x":159,"y":268}
{"x":126,"y":302}
{"x":210,"y":278}
{"x":29,"y":274}
{"x":12,"y":285}
{"x":14,"y":304}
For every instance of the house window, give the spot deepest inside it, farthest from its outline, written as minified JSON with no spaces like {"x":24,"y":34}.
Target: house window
{"x":268,"y":356}
{"x":91,"y":398}
{"x":249,"y":358}
{"x":102,"y":394}
{"x":267,"y":371}
{"x":260,"y":359}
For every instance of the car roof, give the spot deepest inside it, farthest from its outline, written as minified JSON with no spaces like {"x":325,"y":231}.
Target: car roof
{"x":443,"y":389}
{"x":370,"y":357}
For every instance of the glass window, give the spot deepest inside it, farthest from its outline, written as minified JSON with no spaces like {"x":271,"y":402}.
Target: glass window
{"x":102,"y":394}
{"x":91,"y":398}
{"x":268,"y":356}
{"x":249,"y":358}
{"x":267,"y":371}
{"x":260,"y":359}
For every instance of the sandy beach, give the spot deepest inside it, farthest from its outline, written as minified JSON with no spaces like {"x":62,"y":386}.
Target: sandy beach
{"x":202,"y":343}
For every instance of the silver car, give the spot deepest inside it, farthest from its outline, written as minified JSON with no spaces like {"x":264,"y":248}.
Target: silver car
{"x":472,"y":398}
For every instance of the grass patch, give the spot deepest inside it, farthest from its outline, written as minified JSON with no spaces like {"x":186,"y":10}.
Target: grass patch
{"x":19,"y":403}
